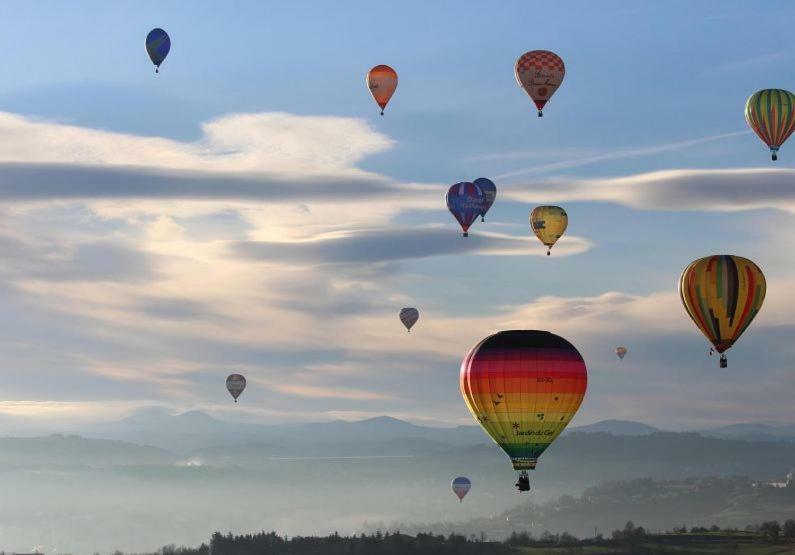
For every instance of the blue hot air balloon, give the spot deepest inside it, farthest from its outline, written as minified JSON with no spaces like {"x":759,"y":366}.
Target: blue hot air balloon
{"x":465,"y":201}
{"x":489,"y":192}
{"x":461,"y":486}
{"x":158,"y":43}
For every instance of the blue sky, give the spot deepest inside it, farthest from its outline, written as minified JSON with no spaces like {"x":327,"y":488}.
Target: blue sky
{"x":248,"y":210}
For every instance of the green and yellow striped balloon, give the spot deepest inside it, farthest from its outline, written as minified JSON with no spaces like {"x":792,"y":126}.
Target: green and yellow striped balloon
{"x":771,"y":114}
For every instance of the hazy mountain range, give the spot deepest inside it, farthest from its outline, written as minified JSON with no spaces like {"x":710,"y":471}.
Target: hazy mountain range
{"x":182,"y":476}
{"x":656,"y":505}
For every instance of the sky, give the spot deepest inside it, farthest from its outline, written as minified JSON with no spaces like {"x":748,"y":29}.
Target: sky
{"x":247,"y":209}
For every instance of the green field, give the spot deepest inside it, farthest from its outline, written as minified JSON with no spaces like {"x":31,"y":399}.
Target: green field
{"x":683,"y":545}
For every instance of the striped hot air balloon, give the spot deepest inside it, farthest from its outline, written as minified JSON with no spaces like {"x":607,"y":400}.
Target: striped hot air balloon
{"x":539,"y":73}
{"x":382,"y":81}
{"x":409,"y":317}
{"x":461,"y":487}
{"x":523,"y":387}
{"x":466,"y":202}
{"x":549,"y":223}
{"x":771,"y":114}
{"x":722,"y":294}
{"x":621,"y":352}
{"x":235,"y":384}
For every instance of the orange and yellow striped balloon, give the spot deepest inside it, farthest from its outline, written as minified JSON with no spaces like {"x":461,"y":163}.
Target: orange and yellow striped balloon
{"x":722,"y":294}
{"x":382,"y":82}
{"x":523,"y":387}
{"x":549,"y":223}
{"x":771,"y":114}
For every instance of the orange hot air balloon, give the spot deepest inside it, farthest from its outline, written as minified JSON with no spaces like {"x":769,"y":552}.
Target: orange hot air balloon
{"x":382,"y":82}
{"x":539,"y":73}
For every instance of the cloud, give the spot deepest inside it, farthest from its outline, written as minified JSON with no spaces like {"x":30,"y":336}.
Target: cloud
{"x":317,"y":392}
{"x":586,"y":157}
{"x":752,"y":62}
{"x":238,"y":143}
{"x":384,"y":245}
{"x":676,"y":190}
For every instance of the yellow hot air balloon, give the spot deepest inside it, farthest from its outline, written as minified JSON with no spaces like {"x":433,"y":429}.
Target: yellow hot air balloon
{"x":722,"y":294}
{"x":549,"y":224}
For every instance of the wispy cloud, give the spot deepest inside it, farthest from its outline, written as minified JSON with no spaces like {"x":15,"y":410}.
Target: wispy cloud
{"x":318,"y":392}
{"x":383,"y":245}
{"x":585,"y":158}
{"x":751,"y":62}
{"x":680,"y":190}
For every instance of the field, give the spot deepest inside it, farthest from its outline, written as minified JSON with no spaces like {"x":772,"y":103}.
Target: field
{"x":680,"y":544}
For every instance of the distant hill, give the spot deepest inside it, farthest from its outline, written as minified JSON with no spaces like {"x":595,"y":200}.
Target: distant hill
{"x":59,"y":450}
{"x":195,"y":430}
{"x":753,"y":432}
{"x":616,"y":427}
{"x":655,"y":505}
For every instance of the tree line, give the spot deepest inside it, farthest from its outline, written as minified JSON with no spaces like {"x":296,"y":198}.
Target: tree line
{"x":630,"y":539}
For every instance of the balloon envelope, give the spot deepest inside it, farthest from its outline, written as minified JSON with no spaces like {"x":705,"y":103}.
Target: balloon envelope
{"x":235,"y":383}
{"x":158,"y":44}
{"x":722,"y":294}
{"x":621,"y":352}
{"x":549,"y":223}
{"x":489,"y":193}
{"x":461,"y":487}
{"x":382,"y":81}
{"x":466,"y":202}
{"x":523,"y":387}
{"x":540,"y":73}
{"x":771,"y":114}
{"x":409,"y":317}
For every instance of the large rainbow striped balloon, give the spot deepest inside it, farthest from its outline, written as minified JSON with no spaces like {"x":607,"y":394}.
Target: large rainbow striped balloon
{"x":771,"y":114}
{"x":524,"y":387}
{"x":722,"y":294}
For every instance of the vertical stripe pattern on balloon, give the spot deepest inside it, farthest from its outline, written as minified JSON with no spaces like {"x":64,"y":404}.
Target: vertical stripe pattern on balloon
{"x":771,"y":114}
{"x":722,"y":294}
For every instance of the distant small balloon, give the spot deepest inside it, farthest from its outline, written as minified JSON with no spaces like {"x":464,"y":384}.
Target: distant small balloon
{"x":489,"y":193}
{"x":409,"y":317}
{"x":158,"y":45}
{"x":549,"y":223}
{"x":382,"y":81}
{"x":466,"y":202}
{"x":621,"y":352}
{"x":235,"y":384}
{"x":461,"y":487}
{"x":539,"y":73}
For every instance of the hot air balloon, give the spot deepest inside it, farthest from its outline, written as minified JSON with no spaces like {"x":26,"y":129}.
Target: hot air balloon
{"x":382,"y":81}
{"x":621,"y":352}
{"x":409,"y":317}
{"x":489,"y":193}
{"x":523,"y":387}
{"x":540,"y":73}
{"x":461,"y":487}
{"x":771,"y":114}
{"x":549,"y":224}
{"x":158,"y":43}
{"x":465,"y":201}
{"x":235,"y":383}
{"x":722,"y":294}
